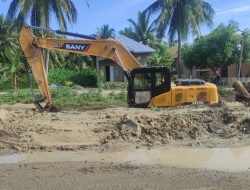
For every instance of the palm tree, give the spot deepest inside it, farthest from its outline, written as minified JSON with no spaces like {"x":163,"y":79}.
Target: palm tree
{"x":77,"y":62}
{"x":8,"y":33}
{"x":11,"y":64}
{"x":140,"y":30}
{"x":39,"y":12}
{"x":180,"y":17}
{"x":129,"y":32}
{"x":106,"y":32}
{"x":14,"y":65}
{"x":161,"y":56}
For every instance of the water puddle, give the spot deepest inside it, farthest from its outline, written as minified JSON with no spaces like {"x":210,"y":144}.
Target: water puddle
{"x":223,"y":159}
{"x":12,"y":159}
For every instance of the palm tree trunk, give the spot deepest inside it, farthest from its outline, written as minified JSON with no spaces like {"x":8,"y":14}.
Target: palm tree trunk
{"x":178,"y":66}
{"x":47,"y":61}
{"x":14,"y":81}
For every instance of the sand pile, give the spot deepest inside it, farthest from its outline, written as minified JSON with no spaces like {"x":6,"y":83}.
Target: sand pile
{"x":24,"y":129}
{"x":154,"y":130}
{"x":163,"y":127}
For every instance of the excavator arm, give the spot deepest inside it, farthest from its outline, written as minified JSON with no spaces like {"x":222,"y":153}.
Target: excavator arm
{"x":32,"y":48}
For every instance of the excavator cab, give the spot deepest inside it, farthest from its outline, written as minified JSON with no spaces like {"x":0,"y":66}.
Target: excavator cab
{"x":147,"y":83}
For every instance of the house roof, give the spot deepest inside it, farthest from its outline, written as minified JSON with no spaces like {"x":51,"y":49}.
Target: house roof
{"x":134,"y":46}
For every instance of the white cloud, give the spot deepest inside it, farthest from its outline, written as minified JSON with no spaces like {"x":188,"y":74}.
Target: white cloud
{"x":234,"y":10}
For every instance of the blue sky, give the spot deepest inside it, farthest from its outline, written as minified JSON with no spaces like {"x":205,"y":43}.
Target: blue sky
{"x":115,"y":13}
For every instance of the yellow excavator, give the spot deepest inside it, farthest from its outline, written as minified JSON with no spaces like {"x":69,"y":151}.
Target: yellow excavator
{"x":147,"y":86}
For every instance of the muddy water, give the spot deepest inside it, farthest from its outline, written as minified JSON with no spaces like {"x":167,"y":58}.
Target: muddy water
{"x":223,"y":159}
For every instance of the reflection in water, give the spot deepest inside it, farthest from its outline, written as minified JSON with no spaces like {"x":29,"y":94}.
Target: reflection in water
{"x":225,"y":159}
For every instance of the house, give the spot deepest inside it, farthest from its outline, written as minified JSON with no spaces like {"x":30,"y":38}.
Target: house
{"x":112,"y":71}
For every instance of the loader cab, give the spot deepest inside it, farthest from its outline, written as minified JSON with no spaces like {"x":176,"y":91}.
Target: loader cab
{"x":146,"y":83}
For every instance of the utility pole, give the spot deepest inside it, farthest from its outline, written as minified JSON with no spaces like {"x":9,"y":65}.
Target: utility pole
{"x":241,"y":54}
{"x":241,"y":33}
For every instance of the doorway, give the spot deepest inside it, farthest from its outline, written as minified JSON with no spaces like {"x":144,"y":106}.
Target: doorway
{"x":107,"y":73}
{"x":110,"y":75}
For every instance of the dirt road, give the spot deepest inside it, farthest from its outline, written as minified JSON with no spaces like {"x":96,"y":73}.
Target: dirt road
{"x":102,"y":130}
{"x":82,"y":175}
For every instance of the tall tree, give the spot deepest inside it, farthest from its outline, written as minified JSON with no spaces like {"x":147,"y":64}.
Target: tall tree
{"x":106,"y":32}
{"x":39,"y":12}
{"x":246,"y":45}
{"x":11,"y":63}
{"x":8,"y":33}
{"x":77,"y":62}
{"x":220,"y":48}
{"x":161,"y":57}
{"x":180,"y":17}
{"x":129,"y":32}
{"x":141,"y":30}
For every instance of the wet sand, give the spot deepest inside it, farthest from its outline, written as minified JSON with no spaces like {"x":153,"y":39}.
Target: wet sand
{"x":105,"y":176}
{"x":220,"y":159}
{"x":119,"y":148}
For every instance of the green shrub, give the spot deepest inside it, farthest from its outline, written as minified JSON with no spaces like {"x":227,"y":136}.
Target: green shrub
{"x":22,"y":82}
{"x":113,"y":85}
{"x":5,"y":86}
{"x":221,"y":91}
{"x":64,"y":77}
{"x":88,"y":77}
{"x":59,"y":76}
{"x":176,"y":76}
{"x":69,"y":83}
{"x":100,"y":79}
{"x":62,"y":91}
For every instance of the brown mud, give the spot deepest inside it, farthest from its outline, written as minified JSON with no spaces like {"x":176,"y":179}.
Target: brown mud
{"x":22,"y":129}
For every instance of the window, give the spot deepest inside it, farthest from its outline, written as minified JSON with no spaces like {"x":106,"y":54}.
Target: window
{"x":142,"y":81}
{"x":161,"y":82}
{"x":159,"y":79}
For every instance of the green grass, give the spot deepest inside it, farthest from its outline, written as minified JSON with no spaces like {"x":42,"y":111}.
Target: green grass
{"x":19,"y":96}
{"x":113,"y":85}
{"x":222,"y":91}
{"x":226,"y":93}
{"x":66,"y":97}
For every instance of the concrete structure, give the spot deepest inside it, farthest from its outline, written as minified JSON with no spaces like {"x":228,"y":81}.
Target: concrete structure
{"x":233,"y":70}
{"x":230,"y":74}
{"x":111,"y":70}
